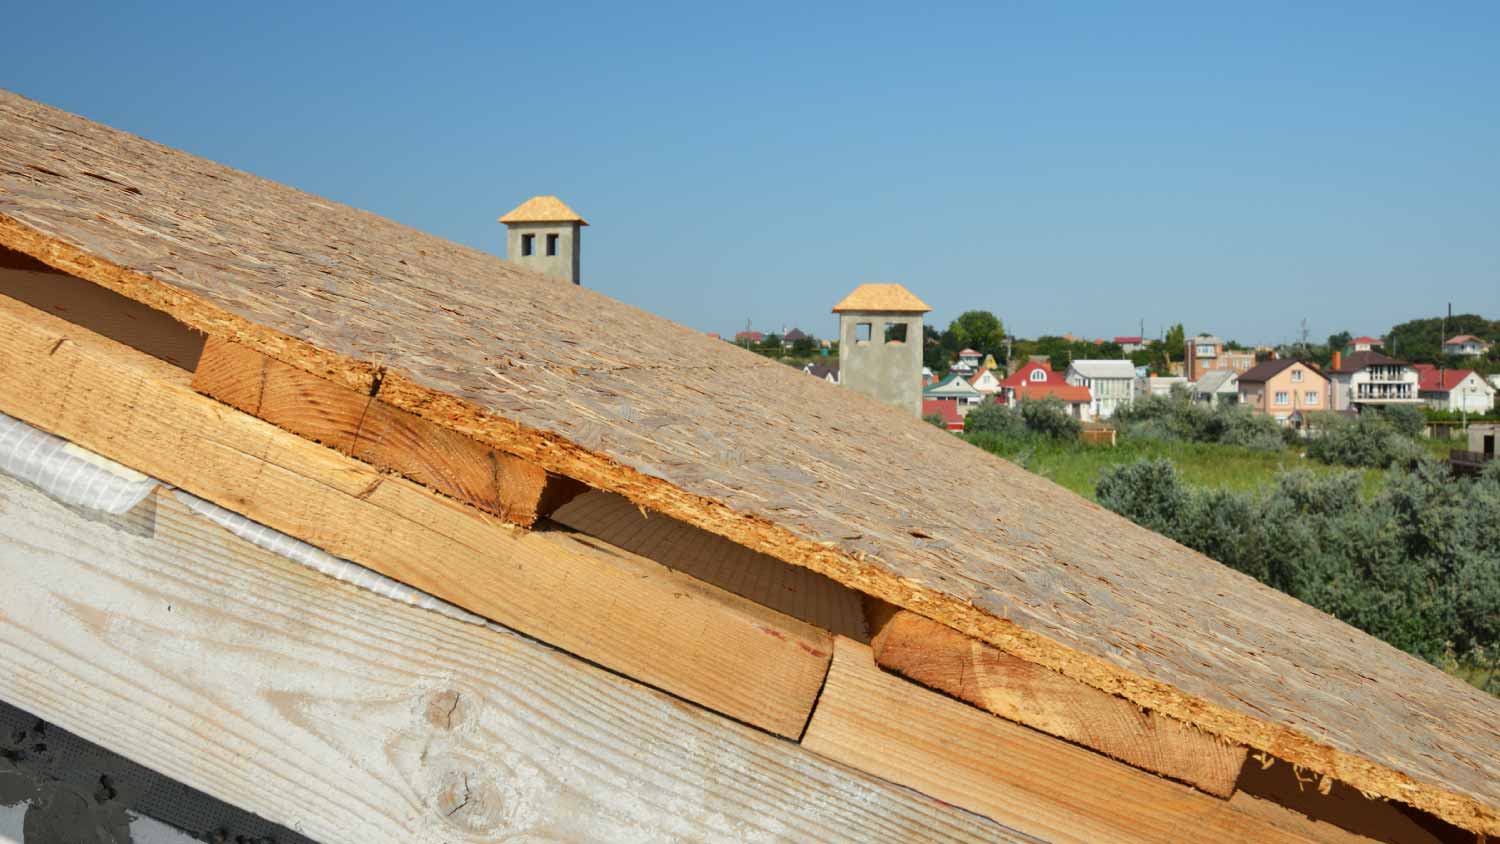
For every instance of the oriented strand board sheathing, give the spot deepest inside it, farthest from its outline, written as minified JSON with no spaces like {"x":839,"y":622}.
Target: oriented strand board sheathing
{"x":744,"y":447}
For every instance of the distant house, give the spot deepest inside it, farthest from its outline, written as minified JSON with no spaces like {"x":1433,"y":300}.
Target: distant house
{"x":748,"y":337}
{"x":1077,"y":401}
{"x":944,"y":410}
{"x":1370,"y":379}
{"x":1159,"y":385}
{"x":1111,"y":384}
{"x":1131,"y":345}
{"x":828,"y":372}
{"x":1454,"y":389}
{"x":1206,"y":353}
{"x":1466,"y":345}
{"x":968,"y":362}
{"x":1286,"y":389}
{"x":791,"y":337}
{"x":1221,"y":386}
{"x":956,"y":389}
{"x":985,"y":381}
{"x":1036,"y":381}
{"x":1362,"y":344}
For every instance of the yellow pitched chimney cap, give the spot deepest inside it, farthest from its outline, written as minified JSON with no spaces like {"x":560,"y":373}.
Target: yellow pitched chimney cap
{"x":543,"y":209}
{"x":892,"y":298}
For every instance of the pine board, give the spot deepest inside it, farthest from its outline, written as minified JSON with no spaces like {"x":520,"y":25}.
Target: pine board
{"x":942,"y":658}
{"x":351,"y":718}
{"x":1042,"y":786}
{"x":744,"y":447}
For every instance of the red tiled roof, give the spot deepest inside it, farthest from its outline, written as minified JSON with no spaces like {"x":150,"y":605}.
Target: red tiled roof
{"x":1373,"y":341}
{"x":1124,"y":340}
{"x":1434,"y":380}
{"x":1462,"y":338}
{"x":1053,"y":389}
{"x":967,"y":352}
{"x":1023,"y":375}
{"x":946,"y":409}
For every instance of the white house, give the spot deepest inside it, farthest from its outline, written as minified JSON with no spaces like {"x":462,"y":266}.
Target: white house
{"x":985,"y":381}
{"x":1111,"y":384}
{"x":1370,"y":379}
{"x":1454,"y":389}
{"x":957,"y":389}
{"x":1218,"y":386}
{"x":1466,"y":345}
{"x":828,"y":372}
{"x":1160,"y":385}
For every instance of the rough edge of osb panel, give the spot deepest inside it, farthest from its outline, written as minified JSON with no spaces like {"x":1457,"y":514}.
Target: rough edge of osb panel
{"x":557,"y":454}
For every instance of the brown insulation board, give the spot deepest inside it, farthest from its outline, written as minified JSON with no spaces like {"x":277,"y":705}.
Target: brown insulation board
{"x":744,"y":447}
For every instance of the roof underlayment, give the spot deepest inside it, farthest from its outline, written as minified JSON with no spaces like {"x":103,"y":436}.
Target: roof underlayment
{"x":744,"y":447}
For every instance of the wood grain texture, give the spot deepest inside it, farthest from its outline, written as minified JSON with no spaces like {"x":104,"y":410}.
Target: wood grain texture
{"x":763,"y":579}
{"x":744,"y":447}
{"x":351,"y":718}
{"x":362,"y":426}
{"x":603,"y":603}
{"x":1042,"y":786}
{"x":942,"y":658}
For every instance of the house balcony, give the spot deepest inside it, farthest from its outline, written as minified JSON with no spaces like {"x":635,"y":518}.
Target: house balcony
{"x":1403,"y":393}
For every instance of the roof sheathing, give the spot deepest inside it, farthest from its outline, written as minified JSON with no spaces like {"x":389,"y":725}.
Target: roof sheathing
{"x":806,"y":472}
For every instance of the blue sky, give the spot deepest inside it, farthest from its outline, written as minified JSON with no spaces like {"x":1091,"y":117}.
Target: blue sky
{"x":1070,"y":167}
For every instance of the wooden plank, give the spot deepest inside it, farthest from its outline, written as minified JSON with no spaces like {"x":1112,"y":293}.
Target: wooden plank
{"x":351,"y":718}
{"x":364,"y":427}
{"x":742,"y":446}
{"x":763,"y":579}
{"x":1040,"y":785}
{"x":942,"y":658}
{"x":605,"y":604}
{"x":1293,"y":797}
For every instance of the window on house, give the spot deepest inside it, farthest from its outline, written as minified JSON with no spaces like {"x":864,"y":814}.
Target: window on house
{"x":528,"y":244}
{"x":1039,"y":375}
{"x":895,"y":332}
{"x":1296,"y":376}
{"x":1311,"y":397}
{"x":862,"y":332}
{"x":1282,"y":397}
{"x":1205,"y":350}
{"x":551,"y":244}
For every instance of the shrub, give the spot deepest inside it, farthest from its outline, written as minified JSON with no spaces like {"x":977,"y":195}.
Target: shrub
{"x":935,"y":419}
{"x":1417,"y":566}
{"x":1371,"y":439}
{"x":1176,"y":418}
{"x":1049,"y":417}
{"x":994,"y":418}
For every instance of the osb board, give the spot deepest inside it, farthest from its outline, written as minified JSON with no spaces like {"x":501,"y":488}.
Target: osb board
{"x":744,"y":447}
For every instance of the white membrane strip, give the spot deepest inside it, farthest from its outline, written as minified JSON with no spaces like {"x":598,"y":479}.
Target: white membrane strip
{"x":68,"y":473}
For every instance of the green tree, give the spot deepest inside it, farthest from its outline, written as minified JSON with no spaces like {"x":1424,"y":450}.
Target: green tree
{"x":980,"y":331}
{"x":1337,"y":342}
{"x":1175,"y":343}
{"x":934,"y":355}
{"x":804,"y":346}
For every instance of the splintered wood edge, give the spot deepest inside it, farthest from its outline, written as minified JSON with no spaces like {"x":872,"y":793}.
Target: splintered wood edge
{"x":560,"y":455}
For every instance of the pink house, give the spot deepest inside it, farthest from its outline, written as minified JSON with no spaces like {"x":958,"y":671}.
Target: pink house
{"x":1284,"y":389}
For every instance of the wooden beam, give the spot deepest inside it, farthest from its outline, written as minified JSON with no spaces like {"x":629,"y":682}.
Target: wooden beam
{"x":615,"y":608}
{"x":1040,"y":785}
{"x":796,"y":591}
{"x":351,"y":718}
{"x":364,"y":427}
{"x":942,"y":658}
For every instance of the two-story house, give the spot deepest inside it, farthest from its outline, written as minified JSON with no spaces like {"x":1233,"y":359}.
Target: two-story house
{"x":1035,"y":381}
{"x":985,"y":381}
{"x":1466,"y":345}
{"x":1454,"y":389}
{"x":1206,"y":353}
{"x":1111,"y":384}
{"x":1285,"y":390}
{"x":1371,"y":379}
{"x":1130,"y":345}
{"x":1362,"y":344}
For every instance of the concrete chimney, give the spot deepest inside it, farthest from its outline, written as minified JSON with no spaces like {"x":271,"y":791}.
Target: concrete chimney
{"x":543,"y":234}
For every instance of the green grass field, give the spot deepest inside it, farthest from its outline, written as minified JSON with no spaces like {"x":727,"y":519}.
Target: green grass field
{"x":1077,"y":465}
